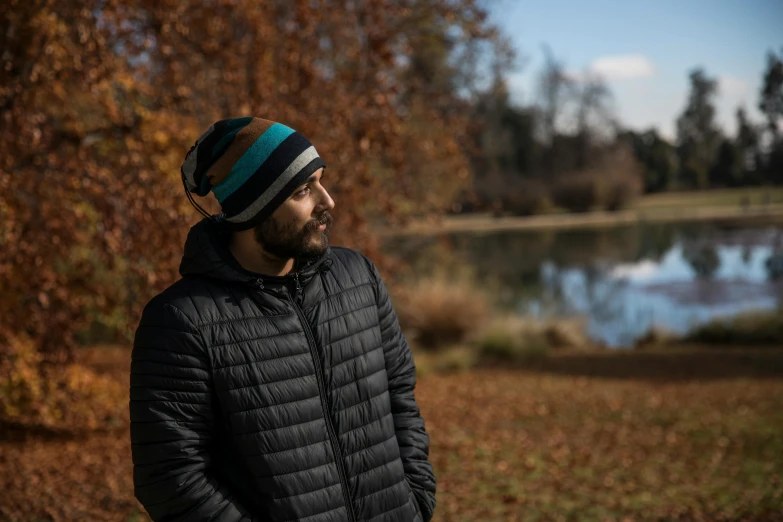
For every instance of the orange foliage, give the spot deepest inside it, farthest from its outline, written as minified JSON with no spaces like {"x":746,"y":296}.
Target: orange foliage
{"x":67,"y":398}
{"x":99,"y":101}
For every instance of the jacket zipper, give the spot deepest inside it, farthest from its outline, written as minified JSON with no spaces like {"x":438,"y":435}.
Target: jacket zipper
{"x":324,"y":400}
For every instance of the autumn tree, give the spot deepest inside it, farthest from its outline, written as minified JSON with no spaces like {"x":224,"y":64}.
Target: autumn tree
{"x":99,"y":101}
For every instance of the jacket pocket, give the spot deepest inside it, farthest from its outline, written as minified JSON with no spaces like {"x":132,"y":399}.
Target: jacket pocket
{"x":412,"y":498}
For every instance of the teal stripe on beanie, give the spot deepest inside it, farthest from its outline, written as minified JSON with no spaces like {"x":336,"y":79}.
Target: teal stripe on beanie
{"x":255,"y":164}
{"x":256,"y":155}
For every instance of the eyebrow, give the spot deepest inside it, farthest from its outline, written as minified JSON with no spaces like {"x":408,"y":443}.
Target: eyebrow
{"x":312,"y":178}
{"x":309,"y":180}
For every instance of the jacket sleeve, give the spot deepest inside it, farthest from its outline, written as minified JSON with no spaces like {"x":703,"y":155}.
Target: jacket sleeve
{"x":171,"y":418}
{"x":408,"y":424}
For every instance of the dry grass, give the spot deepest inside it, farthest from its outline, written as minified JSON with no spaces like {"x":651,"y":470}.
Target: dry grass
{"x":512,"y":339}
{"x":438,"y":312}
{"x":472,"y":340}
{"x":454,"y":319}
{"x":457,"y":358}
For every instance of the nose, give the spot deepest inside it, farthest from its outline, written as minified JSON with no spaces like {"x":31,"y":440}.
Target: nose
{"x":326,"y":203}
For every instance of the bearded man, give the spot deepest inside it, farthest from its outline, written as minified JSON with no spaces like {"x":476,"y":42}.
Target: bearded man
{"x":272,"y":382}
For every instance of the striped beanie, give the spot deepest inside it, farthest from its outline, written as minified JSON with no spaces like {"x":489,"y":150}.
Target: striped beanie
{"x":250,"y":165}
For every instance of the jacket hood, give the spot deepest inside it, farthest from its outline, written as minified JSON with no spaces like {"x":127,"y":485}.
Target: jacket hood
{"x":207,"y":255}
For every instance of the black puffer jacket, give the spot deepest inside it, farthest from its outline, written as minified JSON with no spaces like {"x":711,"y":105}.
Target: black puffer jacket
{"x":271,"y":399}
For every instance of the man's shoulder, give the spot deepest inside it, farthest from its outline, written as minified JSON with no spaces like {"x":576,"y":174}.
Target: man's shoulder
{"x":353,"y":260}
{"x":178,"y":300}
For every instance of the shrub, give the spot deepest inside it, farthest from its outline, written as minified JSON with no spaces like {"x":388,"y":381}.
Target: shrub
{"x":623,"y":179}
{"x":439,"y":312}
{"x":759,"y":328}
{"x":512,"y":339}
{"x":566,"y":333}
{"x":457,"y":358}
{"x":613,"y":183}
{"x":655,"y":337}
{"x":577,"y":192}
{"x":527,"y":198}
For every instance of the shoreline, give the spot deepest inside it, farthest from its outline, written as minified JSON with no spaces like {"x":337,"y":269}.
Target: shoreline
{"x":485,"y":223}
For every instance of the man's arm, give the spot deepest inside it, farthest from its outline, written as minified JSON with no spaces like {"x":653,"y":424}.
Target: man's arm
{"x":408,"y":424}
{"x":171,"y":422}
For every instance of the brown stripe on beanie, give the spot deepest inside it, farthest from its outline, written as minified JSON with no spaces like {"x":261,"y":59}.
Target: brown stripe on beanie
{"x":242,"y":141}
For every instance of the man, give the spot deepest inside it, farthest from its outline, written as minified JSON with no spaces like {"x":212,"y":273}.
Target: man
{"x":272,"y":381}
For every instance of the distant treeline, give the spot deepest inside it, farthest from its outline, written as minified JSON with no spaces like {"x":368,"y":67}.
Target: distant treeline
{"x":568,"y":149}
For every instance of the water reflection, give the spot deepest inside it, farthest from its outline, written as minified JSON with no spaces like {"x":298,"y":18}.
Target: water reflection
{"x":625,"y":279}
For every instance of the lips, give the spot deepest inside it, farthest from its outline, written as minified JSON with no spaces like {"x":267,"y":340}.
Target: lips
{"x":323,"y":223}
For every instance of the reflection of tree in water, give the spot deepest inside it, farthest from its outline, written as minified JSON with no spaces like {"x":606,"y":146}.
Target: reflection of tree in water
{"x":588,"y":292}
{"x":774,"y":263}
{"x":747,"y":253}
{"x":702,"y":257}
{"x":655,"y":241}
{"x":510,"y":262}
{"x":563,"y":272}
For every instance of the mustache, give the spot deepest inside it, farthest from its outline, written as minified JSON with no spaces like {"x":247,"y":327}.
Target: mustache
{"x":323,"y":219}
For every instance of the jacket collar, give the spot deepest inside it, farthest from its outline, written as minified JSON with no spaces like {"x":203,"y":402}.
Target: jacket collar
{"x":207,"y":255}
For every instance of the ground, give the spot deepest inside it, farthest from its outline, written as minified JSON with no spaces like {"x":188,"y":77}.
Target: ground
{"x":671,"y":434}
{"x":764,"y":204}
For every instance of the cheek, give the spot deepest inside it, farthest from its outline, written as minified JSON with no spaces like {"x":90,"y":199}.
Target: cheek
{"x":296,"y":212}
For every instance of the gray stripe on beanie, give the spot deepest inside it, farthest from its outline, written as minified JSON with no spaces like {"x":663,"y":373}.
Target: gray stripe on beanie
{"x":191,"y":160}
{"x":288,"y":174}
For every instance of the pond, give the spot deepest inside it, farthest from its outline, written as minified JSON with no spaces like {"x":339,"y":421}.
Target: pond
{"x":624,"y":280}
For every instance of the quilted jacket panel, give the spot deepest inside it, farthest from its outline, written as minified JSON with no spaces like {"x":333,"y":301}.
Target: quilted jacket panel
{"x":257,"y":398}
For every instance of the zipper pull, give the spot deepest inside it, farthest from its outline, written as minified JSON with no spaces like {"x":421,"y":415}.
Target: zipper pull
{"x":297,"y":286}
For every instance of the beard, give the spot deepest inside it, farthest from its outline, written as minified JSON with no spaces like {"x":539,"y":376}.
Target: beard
{"x":287,"y":240}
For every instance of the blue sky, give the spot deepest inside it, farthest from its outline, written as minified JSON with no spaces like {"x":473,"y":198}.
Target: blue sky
{"x":645,"y":49}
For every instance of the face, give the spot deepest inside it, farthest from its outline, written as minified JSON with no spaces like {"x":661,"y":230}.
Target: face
{"x":299,"y":225}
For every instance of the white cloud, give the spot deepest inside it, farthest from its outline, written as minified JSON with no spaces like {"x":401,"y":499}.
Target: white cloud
{"x":622,"y":67}
{"x":575,"y":75}
{"x":645,"y":269}
{"x":734,"y":92}
{"x":733,"y":87}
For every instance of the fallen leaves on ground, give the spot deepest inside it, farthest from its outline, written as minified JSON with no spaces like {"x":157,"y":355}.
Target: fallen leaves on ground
{"x":506,"y":445}
{"x":516,"y":445}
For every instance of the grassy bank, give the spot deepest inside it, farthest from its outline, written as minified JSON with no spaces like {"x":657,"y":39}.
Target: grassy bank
{"x":735,"y":205}
{"x":755,"y":197}
{"x":749,"y":329}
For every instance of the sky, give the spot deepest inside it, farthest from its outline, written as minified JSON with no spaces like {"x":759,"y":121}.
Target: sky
{"x":646,"y":49}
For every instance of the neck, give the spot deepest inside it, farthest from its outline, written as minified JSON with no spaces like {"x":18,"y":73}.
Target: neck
{"x":251,"y":256}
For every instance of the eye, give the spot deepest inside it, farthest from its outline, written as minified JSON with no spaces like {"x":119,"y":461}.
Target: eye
{"x":302,"y":192}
